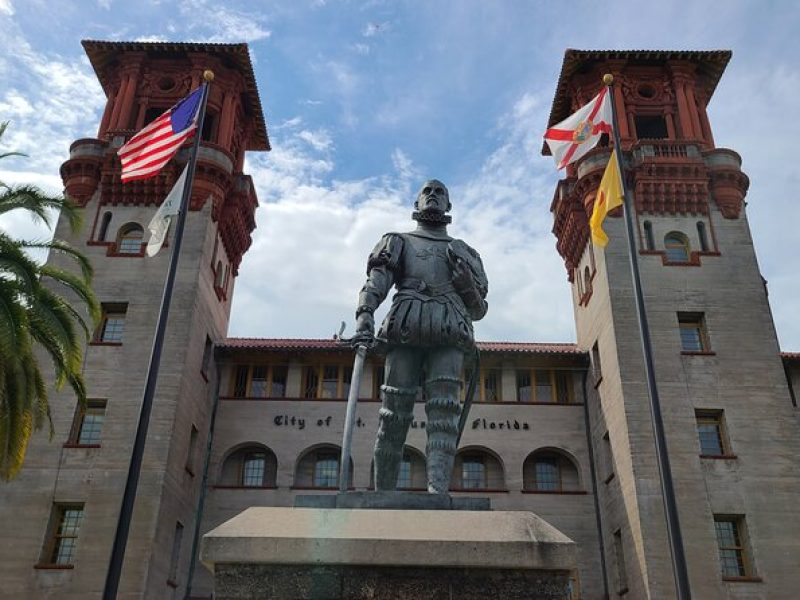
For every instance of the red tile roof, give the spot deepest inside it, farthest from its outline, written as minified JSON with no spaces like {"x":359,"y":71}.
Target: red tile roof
{"x":790,"y":355}
{"x":331,"y":344}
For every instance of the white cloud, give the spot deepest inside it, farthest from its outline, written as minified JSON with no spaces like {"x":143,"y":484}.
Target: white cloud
{"x":6,"y":8}
{"x":151,"y":38}
{"x":220,"y":24}
{"x":372,"y":29}
{"x":362,"y":49}
{"x":313,"y":280}
{"x":319,"y":140}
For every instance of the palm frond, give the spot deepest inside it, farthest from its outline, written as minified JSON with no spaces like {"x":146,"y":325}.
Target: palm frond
{"x":62,"y":247}
{"x":78,"y":285}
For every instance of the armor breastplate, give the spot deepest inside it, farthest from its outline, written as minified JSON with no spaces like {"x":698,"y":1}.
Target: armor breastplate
{"x":426,"y":260}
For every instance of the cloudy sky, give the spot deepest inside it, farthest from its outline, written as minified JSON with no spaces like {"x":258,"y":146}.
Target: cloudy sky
{"x":365,"y":100}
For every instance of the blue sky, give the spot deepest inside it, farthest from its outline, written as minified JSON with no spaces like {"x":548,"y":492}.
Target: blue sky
{"x":365,"y":100}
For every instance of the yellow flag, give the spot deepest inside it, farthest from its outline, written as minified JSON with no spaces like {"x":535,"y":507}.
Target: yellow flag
{"x":609,"y":196}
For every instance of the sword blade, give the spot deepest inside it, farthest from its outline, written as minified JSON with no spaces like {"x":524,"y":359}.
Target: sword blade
{"x":350,"y":416}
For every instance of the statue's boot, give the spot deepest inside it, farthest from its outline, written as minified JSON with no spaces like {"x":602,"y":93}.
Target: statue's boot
{"x":394,"y":419}
{"x":443,"y":410}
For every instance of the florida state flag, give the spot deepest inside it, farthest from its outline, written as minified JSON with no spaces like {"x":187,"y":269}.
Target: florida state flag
{"x":580,"y":132}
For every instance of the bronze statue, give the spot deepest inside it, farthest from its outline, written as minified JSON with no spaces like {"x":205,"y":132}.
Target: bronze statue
{"x":441,"y":289}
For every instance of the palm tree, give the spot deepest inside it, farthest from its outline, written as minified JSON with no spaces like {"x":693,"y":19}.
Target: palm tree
{"x":33,"y":313}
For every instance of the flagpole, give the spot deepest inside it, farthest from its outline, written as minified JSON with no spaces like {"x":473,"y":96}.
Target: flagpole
{"x":126,"y":511}
{"x":679,"y":567}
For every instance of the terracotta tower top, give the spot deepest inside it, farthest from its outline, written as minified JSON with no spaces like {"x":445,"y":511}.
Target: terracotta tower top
{"x":673,"y":166}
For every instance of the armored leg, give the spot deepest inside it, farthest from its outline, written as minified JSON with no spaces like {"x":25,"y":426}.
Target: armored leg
{"x":442,"y":406}
{"x":394,"y":418}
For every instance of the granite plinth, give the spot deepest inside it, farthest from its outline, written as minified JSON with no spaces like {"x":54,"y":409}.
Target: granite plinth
{"x":393,"y":500}
{"x":307,"y":553}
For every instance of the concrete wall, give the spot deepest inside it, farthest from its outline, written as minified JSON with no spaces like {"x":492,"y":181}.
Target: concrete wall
{"x":744,"y":377}
{"x":242,"y":421}
{"x":96,"y":476}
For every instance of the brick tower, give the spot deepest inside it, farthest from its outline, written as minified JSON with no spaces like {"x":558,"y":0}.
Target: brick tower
{"x":718,"y":368}
{"x":75,"y":482}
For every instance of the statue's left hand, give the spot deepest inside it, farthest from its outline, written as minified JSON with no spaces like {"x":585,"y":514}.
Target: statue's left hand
{"x":462,"y":277}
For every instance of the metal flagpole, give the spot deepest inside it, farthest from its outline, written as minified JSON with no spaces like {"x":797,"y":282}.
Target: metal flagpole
{"x":126,"y":511}
{"x":679,"y":567}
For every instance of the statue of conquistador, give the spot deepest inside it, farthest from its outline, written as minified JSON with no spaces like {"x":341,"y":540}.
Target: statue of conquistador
{"x":441,"y":289}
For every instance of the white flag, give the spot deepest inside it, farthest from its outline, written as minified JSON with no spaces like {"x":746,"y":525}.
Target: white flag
{"x":580,"y":132}
{"x":159,"y":225}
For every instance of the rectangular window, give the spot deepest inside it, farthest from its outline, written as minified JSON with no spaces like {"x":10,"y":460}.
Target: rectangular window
{"x":330,"y":381}
{"x":694,"y":337}
{"x":176,"y":553}
{"x":731,"y":541}
{"x":597,"y":370}
{"x":619,"y":556}
{"x":653,"y":127}
{"x":326,"y":470}
{"x":563,"y":395}
{"x":253,"y":469}
{"x":207,"y":354}
{"x":711,"y":432}
{"x":473,"y":473}
{"x":88,"y":423}
{"x":608,"y":459}
{"x":377,"y":381}
{"x":240,"y":381}
{"x":112,"y":323}
{"x":491,"y":385}
{"x":279,"y":376}
{"x":65,"y":523}
{"x":191,"y":457}
{"x":310,"y":380}
{"x":547,"y":475}
{"x":524,"y":386}
{"x":543,"y":386}
{"x":260,"y":381}
{"x":404,"y":477}
{"x":327,"y":381}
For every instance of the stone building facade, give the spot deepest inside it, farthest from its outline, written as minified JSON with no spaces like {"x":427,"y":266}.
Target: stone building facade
{"x":562,"y":430}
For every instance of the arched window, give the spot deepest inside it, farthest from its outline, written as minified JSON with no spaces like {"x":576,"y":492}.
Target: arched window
{"x":251,"y":465}
{"x":677,"y":246}
{"x":649,"y":240}
{"x":412,"y":475}
{"x":701,"y":234}
{"x":101,"y":236}
{"x":319,"y":468}
{"x":129,"y":239}
{"x":477,"y":469}
{"x":550,"y":471}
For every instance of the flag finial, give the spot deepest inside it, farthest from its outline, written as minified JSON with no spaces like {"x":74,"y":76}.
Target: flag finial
{"x":608,"y":79}
{"x":208,"y":75}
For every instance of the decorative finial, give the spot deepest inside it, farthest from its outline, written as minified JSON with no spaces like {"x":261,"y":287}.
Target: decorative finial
{"x":208,"y":75}
{"x":608,"y":79}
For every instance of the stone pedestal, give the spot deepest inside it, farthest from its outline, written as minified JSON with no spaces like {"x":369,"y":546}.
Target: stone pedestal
{"x":330,"y":554}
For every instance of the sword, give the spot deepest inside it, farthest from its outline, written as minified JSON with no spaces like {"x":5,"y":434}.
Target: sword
{"x":352,"y":400}
{"x":473,"y":380}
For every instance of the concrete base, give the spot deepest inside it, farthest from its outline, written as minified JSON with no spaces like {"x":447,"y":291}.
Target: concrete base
{"x":393,"y":500}
{"x":332,"y":554}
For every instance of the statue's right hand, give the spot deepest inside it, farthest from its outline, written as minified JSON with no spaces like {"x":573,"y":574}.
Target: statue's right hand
{"x":365,"y":329}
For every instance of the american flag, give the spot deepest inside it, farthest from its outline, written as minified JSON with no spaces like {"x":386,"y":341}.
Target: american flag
{"x":149,"y":150}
